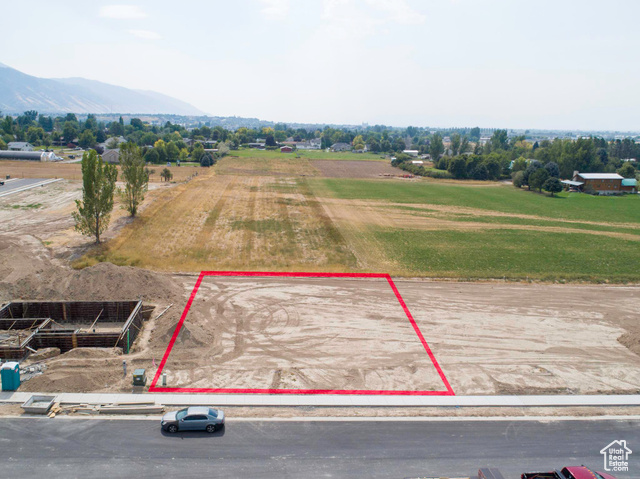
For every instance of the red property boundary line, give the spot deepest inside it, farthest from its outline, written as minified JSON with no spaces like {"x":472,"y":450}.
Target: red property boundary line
{"x":153,"y":388}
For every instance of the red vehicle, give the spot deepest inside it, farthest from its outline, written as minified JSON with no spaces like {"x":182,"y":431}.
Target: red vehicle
{"x":572,"y":472}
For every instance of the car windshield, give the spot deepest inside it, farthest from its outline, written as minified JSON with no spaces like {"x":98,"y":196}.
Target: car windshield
{"x":180,"y":414}
{"x":213,"y":413}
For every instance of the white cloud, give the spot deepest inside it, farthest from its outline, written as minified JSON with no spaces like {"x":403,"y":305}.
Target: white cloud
{"x":145,"y":34}
{"x":343,"y":20}
{"x":275,"y":9}
{"x":122,"y":12}
{"x":399,"y":11}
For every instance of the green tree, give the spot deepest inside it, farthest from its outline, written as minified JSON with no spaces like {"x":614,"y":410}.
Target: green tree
{"x":98,"y":187}
{"x":3,"y":145}
{"x":464,"y":145}
{"x":499,"y":140}
{"x":537,"y":179}
{"x":519,"y":164}
{"x":457,"y":167}
{"x":151,"y":156}
{"x":173,"y":152}
{"x":69,"y":131}
{"x":166,"y":174}
{"x":197,"y":153}
{"x":358,"y":143}
{"x":455,"y":144}
{"x":161,"y":149}
{"x":627,"y":170}
{"x":552,"y":185}
{"x":436,"y":147}
{"x":87,"y":139}
{"x":135,"y":176}
{"x":518,"y":178}
{"x":207,"y":160}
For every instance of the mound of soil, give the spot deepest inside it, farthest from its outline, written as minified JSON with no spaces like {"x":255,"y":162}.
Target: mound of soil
{"x":27,"y":271}
{"x":92,"y":353}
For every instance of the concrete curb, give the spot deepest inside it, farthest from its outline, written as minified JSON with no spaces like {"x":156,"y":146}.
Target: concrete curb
{"x":334,"y":400}
{"x":351,"y":418}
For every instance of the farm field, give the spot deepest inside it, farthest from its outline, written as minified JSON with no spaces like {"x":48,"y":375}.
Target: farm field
{"x":73,"y":171}
{"x":308,"y":154}
{"x":288,"y":214}
{"x":231,"y":222}
{"x":453,"y":230}
{"x":354,"y":169}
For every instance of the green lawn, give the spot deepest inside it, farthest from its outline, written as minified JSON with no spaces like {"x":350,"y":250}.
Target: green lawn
{"x":443,"y":243}
{"x":308,"y":154}
{"x":502,"y":198}
{"x":513,"y":254}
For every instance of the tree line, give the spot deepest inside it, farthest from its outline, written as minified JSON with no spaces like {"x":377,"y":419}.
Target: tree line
{"x":503,"y":157}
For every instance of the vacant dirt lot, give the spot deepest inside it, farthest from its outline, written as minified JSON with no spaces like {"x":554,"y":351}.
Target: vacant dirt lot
{"x":350,"y":334}
{"x":304,"y":333}
{"x":73,"y":171}
{"x":355,"y":169}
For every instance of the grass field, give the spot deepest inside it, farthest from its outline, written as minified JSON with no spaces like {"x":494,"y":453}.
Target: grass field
{"x":499,"y":198}
{"x":275,"y":212}
{"x":264,"y":166}
{"x":220,"y":222}
{"x":308,"y":154}
{"x":458,"y":230}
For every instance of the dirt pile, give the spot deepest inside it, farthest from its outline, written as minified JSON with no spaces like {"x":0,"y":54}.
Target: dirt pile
{"x":631,"y":340}
{"x":27,"y":271}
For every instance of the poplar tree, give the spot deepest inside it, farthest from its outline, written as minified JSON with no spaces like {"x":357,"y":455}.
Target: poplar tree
{"x":135,"y":176}
{"x":98,"y":187}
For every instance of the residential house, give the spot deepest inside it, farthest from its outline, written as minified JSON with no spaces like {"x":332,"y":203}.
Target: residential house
{"x":309,"y":145}
{"x":629,"y":185}
{"x":341,"y":147}
{"x":596,"y":183}
{"x":111,"y":156}
{"x":19,"y":146}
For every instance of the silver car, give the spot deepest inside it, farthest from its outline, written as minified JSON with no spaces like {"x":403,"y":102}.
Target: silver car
{"x":194,"y":418}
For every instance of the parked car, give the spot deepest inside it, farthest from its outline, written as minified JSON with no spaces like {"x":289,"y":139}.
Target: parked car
{"x":194,"y":418}
{"x":571,"y":472}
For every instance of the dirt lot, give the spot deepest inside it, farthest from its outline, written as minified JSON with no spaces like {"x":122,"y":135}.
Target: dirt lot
{"x":73,"y":171}
{"x":355,"y":169}
{"x":489,"y":338}
{"x":44,"y":214}
{"x":311,"y":333}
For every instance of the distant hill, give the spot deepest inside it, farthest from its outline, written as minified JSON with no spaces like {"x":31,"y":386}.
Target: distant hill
{"x":20,"y":92}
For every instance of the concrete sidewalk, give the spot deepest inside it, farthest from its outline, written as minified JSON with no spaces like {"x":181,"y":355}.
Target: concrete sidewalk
{"x":334,"y":400}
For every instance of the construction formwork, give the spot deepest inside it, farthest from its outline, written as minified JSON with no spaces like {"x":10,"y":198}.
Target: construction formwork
{"x":30,"y":325}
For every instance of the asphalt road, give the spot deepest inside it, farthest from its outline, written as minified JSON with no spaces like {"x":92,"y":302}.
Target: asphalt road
{"x":68,"y":448}
{"x":14,"y":184}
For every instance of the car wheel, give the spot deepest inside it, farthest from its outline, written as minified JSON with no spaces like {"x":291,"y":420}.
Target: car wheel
{"x":173,"y":428}
{"x":211,"y":428}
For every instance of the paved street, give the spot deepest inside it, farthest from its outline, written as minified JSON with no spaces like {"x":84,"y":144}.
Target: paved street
{"x":134,"y":449}
{"x":16,"y":184}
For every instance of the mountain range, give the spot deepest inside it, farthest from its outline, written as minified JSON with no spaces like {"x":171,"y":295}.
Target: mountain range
{"x":20,"y":92}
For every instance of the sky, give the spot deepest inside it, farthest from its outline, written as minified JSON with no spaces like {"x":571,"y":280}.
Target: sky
{"x":491,"y":63}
